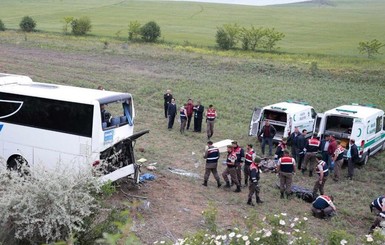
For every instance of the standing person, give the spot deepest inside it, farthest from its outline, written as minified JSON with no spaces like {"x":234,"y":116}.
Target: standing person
{"x":286,"y":170}
{"x":324,"y":146}
{"x":189,"y":110}
{"x":249,"y":156}
{"x":332,"y":148}
{"x":322,"y":170}
{"x":268,"y":132}
{"x":212,"y":157}
{"x":338,"y":160}
{"x":198,"y":116}
{"x":171,"y":110}
{"x":352,"y":156}
{"x":301,"y":145}
{"x":292,"y":141}
{"x":211,"y":115}
{"x":254,"y":179}
{"x":230,"y":169}
{"x":323,"y":207}
{"x":240,"y":158}
{"x":167,"y":100}
{"x":183,"y":118}
{"x":312,"y":147}
{"x":280,"y":148}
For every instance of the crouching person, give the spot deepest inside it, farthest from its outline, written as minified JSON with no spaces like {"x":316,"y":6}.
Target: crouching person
{"x":377,"y":207}
{"x":323,"y":207}
{"x":254,"y":179}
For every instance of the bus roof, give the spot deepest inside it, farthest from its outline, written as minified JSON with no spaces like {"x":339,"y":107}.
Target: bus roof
{"x":359,"y":111}
{"x":288,"y":107}
{"x":23,"y":85}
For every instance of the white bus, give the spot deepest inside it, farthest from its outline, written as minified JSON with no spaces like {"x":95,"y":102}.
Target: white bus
{"x":52,"y":124}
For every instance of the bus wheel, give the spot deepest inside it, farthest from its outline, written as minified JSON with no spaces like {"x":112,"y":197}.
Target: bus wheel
{"x":16,"y":162}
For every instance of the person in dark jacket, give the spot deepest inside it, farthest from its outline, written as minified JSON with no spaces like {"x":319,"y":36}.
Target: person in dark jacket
{"x":301,"y":144}
{"x":198,"y":116}
{"x":167,"y":100}
{"x":212,"y":157}
{"x":323,"y":207}
{"x":353,"y":158}
{"x":254,"y":179}
{"x":280,"y":148}
{"x":324,"y":146}
{"x":292,"y":141}
{"x":267,"y":133}
{"x":171,"y":112}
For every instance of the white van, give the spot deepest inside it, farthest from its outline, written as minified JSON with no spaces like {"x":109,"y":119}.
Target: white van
{"x":284,"y":116}
{"x":363,"y":123}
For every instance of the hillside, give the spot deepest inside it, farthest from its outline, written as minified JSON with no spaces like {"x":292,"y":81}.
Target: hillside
{"x":235,"y":86}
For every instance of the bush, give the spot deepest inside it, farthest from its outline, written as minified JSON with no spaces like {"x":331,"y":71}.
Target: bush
{"x":2,"y":26}
{"x":67,"y":21}
{"x":133,"y":30}
{"x":272,"y":37}
{"x":81,"y":26}
{"x":370,"y":47}
{"x":223,"y":39}
{"x":27,"y":24}
{"x":227,"y":36}
{"x":150,"y":32}
{"x":46,"y":205}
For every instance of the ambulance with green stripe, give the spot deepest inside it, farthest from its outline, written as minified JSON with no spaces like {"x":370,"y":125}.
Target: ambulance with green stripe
{"x":363,"y":123}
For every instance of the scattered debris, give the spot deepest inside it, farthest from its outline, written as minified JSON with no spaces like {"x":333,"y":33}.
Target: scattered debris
{"x":183,"y":172}
{"x":151,"y":168}
{"x":142,"y":160}
{"x":195,"y":159}
{"x":134,"y":196}
{"x":153,"y":164}
{"x":146,"y":176}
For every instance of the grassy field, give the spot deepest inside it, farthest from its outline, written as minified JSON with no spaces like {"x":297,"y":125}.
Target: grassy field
{"x":235,"y":85}
{"x":310,"y":28}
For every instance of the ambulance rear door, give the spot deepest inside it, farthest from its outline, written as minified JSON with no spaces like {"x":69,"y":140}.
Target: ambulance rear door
{"x":255,"y":122}
{"x":319,"y":124}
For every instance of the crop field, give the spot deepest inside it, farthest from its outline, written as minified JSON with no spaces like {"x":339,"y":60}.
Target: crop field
{"x":319,"y":64}
{"x":335,"y":28}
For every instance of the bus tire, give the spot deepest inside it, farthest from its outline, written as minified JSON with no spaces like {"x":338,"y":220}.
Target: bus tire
{"x":15,"y":162}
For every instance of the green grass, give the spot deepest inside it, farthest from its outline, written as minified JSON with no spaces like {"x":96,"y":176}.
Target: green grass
{"x":309,"y":27}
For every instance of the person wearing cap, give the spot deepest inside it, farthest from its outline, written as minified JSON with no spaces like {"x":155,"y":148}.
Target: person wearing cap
{"x":249,"y":156}
{"x":311,"y":149}
{"x":267,"y":133}
{"x":352,"y":156}
{"x":323,"y":207}
{"x":211,"y":115}
{"x":212,"y":157}
{"x":338,"y":160}
{"x":286,"y":169}
{"x":231,"y":169}
{"x":240,"y":158}
{"x":322,"y":171}
{"x":254,"y":179}
{"x":280,"y":148}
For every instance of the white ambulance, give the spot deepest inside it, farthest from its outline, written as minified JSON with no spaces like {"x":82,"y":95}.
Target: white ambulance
{"x":363,"y":123}
{"x":284,"y":116}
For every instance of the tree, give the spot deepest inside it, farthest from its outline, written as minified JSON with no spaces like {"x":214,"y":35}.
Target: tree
{"x":2,"y":26}
{"x":27,"y":24}
{"x":67,"y":21}
{"x":227,"y":36}
{"x":251,"y":38}
{"x":272,"y":37}
{"x":370,"y":47}
{"x":81,"y":26}
{"x":133,"y":30}
{"x":150,"y":32}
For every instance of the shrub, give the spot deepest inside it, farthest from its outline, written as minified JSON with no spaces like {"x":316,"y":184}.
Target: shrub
{"x":27,"y":24}
{"x":150,"y":32}
{"x":338,"y":237}
{"x":370,"y":47}
{"x":251,"y":38}
{"x":46,"y":205}
{"x":2,"y":26}
{"x":227,"y":36}
{"x":67,"y":21}
{"x":81,"y":26}
{"x":133,"y":30}
{"x":223,"y":39}
{"x":272,"y":37}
